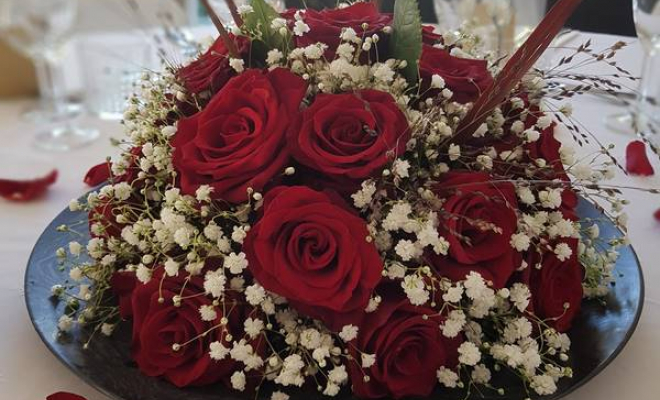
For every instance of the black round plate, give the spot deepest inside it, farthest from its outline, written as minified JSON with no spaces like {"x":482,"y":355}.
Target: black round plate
{"x":599,"y":333}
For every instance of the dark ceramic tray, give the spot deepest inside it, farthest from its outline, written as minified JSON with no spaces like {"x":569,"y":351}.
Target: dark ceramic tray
{"x":599,"y":334}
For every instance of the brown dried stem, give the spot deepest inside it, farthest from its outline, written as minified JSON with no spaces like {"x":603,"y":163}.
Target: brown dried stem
{"x":229,"y":43}
{"x":234,"y":12}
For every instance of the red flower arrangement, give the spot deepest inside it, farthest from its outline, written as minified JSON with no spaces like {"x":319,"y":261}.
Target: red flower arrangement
{"x":323,"y":204}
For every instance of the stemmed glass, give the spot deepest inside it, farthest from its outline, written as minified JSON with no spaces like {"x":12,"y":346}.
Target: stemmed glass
{"x":647,"y":21}
{"x":492,"y":17}
{"x":644,"y":115}
{"x":447,"y":14}
{"x":40,"y":29}
{"x":279,"y":5}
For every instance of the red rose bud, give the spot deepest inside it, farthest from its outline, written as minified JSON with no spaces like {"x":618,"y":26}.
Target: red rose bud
{"x":465,"y":77}
{"x":326,"y":26}
{"x":98,"y":174}
{"x":64,"y":396}
{"x":637,"y":162}
{"x":556,"y":287}
{"x":26,"y":190}
{"x":429,"y":36}
{"x":123,"y":284}
{"x":105,"y":216}
{"x":211,"y":71}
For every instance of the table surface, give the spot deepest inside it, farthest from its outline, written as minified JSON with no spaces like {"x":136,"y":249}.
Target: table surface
{"x":29,"y":372}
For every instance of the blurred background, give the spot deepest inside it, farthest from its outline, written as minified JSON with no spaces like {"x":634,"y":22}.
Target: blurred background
{"x":81,"y":57}
{"x":96,"y":17}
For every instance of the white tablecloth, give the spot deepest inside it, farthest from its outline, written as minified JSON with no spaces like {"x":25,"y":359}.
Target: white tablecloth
{"x":29,"y":372}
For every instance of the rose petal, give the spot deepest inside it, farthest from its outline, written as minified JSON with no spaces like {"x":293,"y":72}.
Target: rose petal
{"x":26,"y":190}
{"x":657,"y":215}
{"x":637,"y":162}
{"x":64,"y":396}
{"x":98,"y":174}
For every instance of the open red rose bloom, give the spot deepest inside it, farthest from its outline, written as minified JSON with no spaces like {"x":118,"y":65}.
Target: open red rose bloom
{"x":331,"y":200}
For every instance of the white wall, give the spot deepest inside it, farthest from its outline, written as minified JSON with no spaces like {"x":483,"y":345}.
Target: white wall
{"x":529,"y":12}
{"x":100,"y":15}
{"x":104,"y":15}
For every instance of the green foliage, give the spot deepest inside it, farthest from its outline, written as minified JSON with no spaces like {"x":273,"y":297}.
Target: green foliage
{"x":406,"y":42}
{"x":259,"y":23}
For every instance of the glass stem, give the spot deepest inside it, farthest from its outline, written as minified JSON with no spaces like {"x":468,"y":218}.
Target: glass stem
{"x":51,"y":85}
{"x":44,"y":83}
{"x":647,"y":109}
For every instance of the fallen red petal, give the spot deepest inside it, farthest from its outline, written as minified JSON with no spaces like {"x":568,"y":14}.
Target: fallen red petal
{"x":64,"y":396}
{"x":98,"y":174}
{"x":26,"y":190}
{"x":657,"y":215}
{"x":637,"y":162}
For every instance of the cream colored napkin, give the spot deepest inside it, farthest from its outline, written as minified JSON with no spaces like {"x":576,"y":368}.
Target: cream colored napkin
{"x":483,"y":18}
{"x":17,"y":78}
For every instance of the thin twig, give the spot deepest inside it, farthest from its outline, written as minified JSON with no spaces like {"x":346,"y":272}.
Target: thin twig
{"x":234,"y":12}
{"x":229,"y":43}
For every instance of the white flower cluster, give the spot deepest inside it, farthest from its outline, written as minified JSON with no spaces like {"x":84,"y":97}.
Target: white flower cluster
{"x":402,"y":219}
{"x":345,"y":71}
{"x":146,"y":227}
{"x":475,"y":306}
{"x":598,"y":256}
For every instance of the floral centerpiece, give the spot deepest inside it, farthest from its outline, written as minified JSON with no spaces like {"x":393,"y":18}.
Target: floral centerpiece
{"x":345,"y":200}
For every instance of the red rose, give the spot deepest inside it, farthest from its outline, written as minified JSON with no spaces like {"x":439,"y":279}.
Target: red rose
{"x":465,"y":77}
{"x":123,"y":284}
{"x":554,"y":285}
{"x":102,"y":173}
{"x":158,"y":325}
{"x":98,"y":174}
{"x":326,"y":26}
{"x":429,"y":36}
{"x":310,"y":249}
{"x":64,"y":396}
{"x":547,"y":148}
{"x":349,"y":137}
{"x":211,"y":71}
{"x":133,"y":170}
{"x":478,"y":218}
{"x":104,"y":216}
{"x":238,"y":141}
{"x":409,"y":349}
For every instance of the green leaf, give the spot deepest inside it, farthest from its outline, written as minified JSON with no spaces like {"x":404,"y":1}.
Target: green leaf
{"x":259,"y":22}
{"x":406,"y":41}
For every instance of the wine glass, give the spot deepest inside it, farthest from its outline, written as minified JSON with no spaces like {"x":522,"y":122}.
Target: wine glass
{"x":39,"y":29}
{"x":647,"y":22}
{"x":644,"y":115}
{"x":278,"y":5}
{"x":490,"y":19}
{"x":447,"y":15}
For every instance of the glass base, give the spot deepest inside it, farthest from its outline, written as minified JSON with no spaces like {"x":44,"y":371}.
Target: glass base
{"x":109,"y":115}
{"x":41,"y":114}
{"x":621,"y":123}
{"x":65,"y":138}
{"x":629,"y":124}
